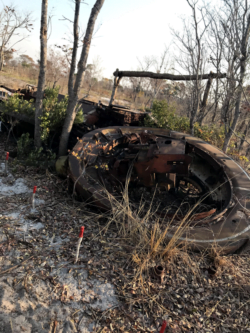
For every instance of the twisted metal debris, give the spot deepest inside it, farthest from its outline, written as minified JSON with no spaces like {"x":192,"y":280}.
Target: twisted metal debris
{"x":194,"y":180}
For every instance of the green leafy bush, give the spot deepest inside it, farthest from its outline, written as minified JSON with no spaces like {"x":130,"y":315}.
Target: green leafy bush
{"x":164,"y":116}
{"x":41,"y":158}
{"x":24,"y":145}
{"x":34,"y":156}
{"x":54,"y":112}
{"x":16,"y":104}
{"x":53,"y":115}
{"x":212,"y":134}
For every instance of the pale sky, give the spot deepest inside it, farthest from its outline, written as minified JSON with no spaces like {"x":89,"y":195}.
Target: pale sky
{"x":127,"y":29}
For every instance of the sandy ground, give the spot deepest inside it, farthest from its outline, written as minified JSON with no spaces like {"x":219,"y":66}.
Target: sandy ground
{"x":12,"y":82}
{"x":32,"y":301}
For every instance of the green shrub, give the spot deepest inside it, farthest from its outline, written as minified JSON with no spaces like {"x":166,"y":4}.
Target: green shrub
{"x":24,"y":145}
{"x":54,"y":112}
{"x":212,"y":134}
{"x":53,"y":115}
{"x":165,"y":117}
{"x":16,"y":104}
{"x":41,"y":158}
{"x":34,"y":156}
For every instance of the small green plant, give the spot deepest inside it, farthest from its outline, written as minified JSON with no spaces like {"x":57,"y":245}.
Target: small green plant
{"x":34,"y":156}
{"x":24,"y":145}
{"x":41,"y":158}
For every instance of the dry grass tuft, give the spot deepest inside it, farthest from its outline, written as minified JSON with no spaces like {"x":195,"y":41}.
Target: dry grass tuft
{"x":145,"y":233}
{"x":144,"y":244}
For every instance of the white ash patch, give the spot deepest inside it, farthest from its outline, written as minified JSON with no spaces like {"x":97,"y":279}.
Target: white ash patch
{"x":39,"y":202}
{"x":106,"y":297}
{"x":56,"y":241}
{"x":36,"y":226}
{"x":8,"y":187}
{"x":18,"y":187}
{"x":30,"y":226}
{"x":2,"y":167}
{"x":98,"y":295}
{"x":32,"y":308}
{"x":23,"y":226}
{"x":14,"y":215}
{"x":30,"y":302}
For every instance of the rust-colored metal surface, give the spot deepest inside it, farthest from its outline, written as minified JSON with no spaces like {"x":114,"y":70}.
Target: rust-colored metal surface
{"x":182,"y":176}
{"x":102,"y":115}
{"x":5,"y":92}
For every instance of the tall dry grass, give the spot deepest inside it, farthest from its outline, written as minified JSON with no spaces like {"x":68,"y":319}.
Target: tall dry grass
{"x":145,"y":235}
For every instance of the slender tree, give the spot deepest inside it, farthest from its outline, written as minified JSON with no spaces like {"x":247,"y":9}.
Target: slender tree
{"x":193,"y":57}
{"x":57,"y":68}
{"x":42,"y":73}
{"x":74,"y":88}
{"x":237,"y":29}
{"x":11,"y":23}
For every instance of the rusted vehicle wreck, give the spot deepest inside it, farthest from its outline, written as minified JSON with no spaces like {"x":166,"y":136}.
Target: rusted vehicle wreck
{"x":184,"y":180}
{"x":195,"y":181}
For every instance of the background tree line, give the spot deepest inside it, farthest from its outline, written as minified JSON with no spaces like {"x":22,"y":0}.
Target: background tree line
{"x":211,"y":39}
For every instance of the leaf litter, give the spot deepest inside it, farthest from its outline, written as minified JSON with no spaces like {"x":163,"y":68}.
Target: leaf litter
{"x":111,"y":288}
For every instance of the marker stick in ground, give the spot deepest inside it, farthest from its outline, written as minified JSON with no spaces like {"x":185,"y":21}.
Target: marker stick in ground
{"x":33,"y":197}
{"x":164,"y":325}
{"x":6,"y":162}
{"x":79,"y":243}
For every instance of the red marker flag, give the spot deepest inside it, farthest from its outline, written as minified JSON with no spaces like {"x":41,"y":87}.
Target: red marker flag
{"x":164,"y":325}
{"x":33,"y":197}
{"x":6,"y":163}
{"x":79,"y":243}
{"x":81,"y":232}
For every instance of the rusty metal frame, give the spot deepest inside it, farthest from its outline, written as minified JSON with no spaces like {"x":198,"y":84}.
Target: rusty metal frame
{"x":228,"y":228}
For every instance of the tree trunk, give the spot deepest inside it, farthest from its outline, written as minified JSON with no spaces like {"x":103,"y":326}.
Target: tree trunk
{"x":204,"y":101}
{"x":237,"y":112}
{"x":216,"y":101}
{"x":243,"y":137}
{"x":73,"y":96}
{"x":215,"y":111}
{"x":1,"y":60}
{"x":248,"y":151}
{"x":191,"y":126}
{"x":195,"y":109}
{"x":42,"y":74}
{"x":243,"y":62}
{"x":114,"y":90}
{"x":74,"y":51}
{"x":54,"y":84}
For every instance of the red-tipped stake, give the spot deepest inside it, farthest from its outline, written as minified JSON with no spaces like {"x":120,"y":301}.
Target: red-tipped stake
{"x":81,"y":232}
{"x":164,"y":325}
{"x":79,"y":243}
{"x":33,"y":197}
{"x":6,"y":162}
